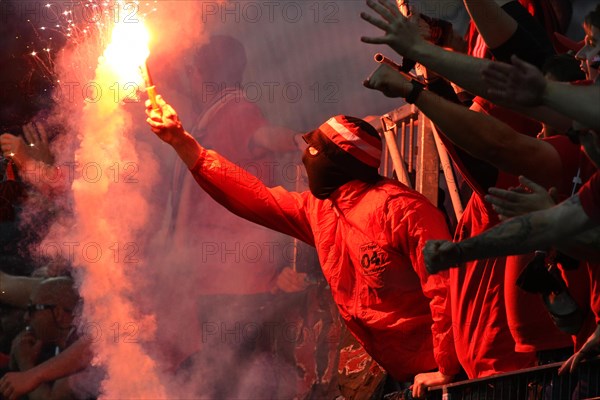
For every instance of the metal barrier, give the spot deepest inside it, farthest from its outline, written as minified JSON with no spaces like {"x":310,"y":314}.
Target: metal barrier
{"x":539,"y":383}
{"x":414,"y":151}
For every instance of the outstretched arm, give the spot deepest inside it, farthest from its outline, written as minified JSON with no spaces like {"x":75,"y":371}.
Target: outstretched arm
{"x":481,"y":135}
{"x":513,"y":203}
{"x":523,"y":83}
{"x":519,"y":235}
{"x":483,"y":12}
{"x":403,"y":36}
{"x":231,"y":186}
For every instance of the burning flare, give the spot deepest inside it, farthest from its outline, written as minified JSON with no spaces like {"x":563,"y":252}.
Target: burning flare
{"x":128,"y":51}
{"x":110,"y":214}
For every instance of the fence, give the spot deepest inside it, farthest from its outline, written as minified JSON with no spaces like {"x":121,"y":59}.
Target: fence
{"x":414,"y":153}
{"x":539,"y":383}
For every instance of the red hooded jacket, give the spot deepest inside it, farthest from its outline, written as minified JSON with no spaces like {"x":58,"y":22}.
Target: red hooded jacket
{"x":369,"y":238}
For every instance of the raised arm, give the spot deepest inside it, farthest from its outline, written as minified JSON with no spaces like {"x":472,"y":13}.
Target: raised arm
{"x":512,"y":203}
{"x":403,"y":36}
{"x":493,"y":24}
{"x":524,"y":84}
{"x":481,"y":135}
{"x":165,"y":123}
{"x":234,"y":188}
{"x":519,"y":235}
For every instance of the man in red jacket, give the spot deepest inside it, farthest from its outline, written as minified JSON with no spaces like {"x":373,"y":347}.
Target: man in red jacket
{"x":368,"y":231}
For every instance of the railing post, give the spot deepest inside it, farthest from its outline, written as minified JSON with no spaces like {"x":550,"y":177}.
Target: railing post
{"x":428,"y":163}
{"x":390,"y":132}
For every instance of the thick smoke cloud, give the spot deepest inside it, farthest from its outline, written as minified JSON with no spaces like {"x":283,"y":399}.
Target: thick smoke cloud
{"x":304,"y":63}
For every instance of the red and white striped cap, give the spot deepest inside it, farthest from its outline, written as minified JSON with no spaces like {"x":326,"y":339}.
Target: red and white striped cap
{"x":356,"y":137}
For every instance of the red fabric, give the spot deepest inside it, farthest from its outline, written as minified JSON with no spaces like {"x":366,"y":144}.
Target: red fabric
{"x":593,"y":270}
{"x":482,"y":297}
{"x":353,"y":140}
{"x":529,"y":321}
{"x":369,"y":239}
{"x":589,"y":195}
{"x":484,"y":344}
{"x":10,"y":172}
{"x":475,"y":43}
{"x":530,"y":324}
{"x":580,"y":286}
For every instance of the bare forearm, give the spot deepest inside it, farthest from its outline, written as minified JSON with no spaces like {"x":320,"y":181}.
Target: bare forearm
{"x":528,"y":232}
{"x":547,"y":116}
{"x":187,"y":148}
{"x":585,"y":246}
{"x":16,"y":290}
{"x":59,"y":390}
{"x":577,"y":102}
{"x":480,"y":135}
{"x":463,"y":70}
{"x":73,"y":359}
{"x":482,"y":12}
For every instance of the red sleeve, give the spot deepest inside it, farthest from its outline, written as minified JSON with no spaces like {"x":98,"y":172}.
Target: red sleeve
{"x":424,"y":222}
{"x":246,"y":196}
{"x":589,"y":195}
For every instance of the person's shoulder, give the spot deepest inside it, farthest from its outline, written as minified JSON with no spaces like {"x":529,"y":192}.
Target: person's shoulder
{"x":395,"y":187}
{"x":398,"y":196}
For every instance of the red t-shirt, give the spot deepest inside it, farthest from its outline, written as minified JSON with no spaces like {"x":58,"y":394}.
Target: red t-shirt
{"x":484,"y":344}
{"x":528,"y":319}
{"x":487,"y":307}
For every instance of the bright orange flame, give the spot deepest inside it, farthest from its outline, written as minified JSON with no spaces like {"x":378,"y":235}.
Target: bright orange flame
{"x":128,"y":50}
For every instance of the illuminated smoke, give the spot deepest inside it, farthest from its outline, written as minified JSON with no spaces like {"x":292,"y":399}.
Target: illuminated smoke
{"x":110,"y":211}
{"x":120,"y":297}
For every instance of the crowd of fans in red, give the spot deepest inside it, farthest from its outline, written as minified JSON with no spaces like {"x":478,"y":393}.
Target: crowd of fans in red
{"x":396,"y":304}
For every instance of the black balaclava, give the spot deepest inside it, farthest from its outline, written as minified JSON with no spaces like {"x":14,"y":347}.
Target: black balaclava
{"x":329,"y":166}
